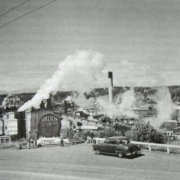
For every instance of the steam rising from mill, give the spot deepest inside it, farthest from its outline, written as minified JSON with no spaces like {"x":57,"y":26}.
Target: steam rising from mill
{"x":81,"y":72}
{"x":77,"y":72}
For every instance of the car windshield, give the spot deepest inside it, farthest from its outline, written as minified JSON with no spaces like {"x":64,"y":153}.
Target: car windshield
{"x":107,"y":141}
{"x":117,"y":141}
{"x":123,"y":141}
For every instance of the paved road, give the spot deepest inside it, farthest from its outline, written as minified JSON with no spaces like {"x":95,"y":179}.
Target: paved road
{"x":79,"y":162}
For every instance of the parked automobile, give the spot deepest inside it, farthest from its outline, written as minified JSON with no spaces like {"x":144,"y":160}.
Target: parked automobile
{"x":117,"y":145}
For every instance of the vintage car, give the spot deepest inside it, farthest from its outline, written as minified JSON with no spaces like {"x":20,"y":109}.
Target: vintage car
{"x":117,"y":145}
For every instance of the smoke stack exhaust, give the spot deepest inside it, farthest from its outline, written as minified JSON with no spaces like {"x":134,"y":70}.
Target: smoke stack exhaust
{"x":110,"y":76}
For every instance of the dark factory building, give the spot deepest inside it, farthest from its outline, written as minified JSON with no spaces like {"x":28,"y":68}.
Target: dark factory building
{"x":20,"y":116}
{"x":43,"y":122}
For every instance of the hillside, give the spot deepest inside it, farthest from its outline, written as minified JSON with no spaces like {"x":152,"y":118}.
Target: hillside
{"x":142,"y":92}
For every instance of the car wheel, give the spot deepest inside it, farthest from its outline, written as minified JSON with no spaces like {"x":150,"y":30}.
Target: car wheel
{"x":136,"y":152}
{"x":120,"y":155}
{"x":97,"y":151}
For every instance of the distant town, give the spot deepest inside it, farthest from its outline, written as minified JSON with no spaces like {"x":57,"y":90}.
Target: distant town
{"x":70,"y":115}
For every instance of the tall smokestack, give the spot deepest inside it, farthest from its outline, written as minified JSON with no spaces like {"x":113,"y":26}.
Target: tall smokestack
{"x":110,"y":76}
{"x":65,"y":107}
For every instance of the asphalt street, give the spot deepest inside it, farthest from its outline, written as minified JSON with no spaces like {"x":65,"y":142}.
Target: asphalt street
{"x":80,"y":162}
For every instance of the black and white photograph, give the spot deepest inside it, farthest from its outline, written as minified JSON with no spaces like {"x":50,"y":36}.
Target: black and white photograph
{"x":89,"y":89}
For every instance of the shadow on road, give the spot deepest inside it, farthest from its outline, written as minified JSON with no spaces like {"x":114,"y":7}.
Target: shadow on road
{"x":126,"y":157}
{"x":134,"y":156}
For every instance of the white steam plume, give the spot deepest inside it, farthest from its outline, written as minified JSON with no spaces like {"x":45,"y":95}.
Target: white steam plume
{"x":165,"y":107}
{"x":77,"y":72}
{"x":5,"y":101}
{"x":81,"y":101}
{"x":123,"y":109}
{"x":127,"y":104}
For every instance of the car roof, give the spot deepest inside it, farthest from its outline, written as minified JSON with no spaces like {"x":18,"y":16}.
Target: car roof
{"x":118,"y":137}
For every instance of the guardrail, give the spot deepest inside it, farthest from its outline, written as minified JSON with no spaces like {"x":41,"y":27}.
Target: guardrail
{"x":51,"y":141}
{"x":56,"y":141}
{"x":149,"y":145}
{"x":167,"y":146}
{"x":99,"y":140}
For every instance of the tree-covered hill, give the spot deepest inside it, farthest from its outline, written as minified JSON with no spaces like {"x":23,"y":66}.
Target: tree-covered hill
{"x":139,"y":91}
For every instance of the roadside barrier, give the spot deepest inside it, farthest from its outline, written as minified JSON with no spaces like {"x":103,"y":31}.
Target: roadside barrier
{"x":52,"y":141}
{"x":149,"y":145}
{"x":99,"y":140}
{"x":167,"y":146}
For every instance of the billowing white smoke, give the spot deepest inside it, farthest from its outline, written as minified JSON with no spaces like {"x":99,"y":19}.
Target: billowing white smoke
{"x":69,"y":98}
{"x":77,"y":72}
{"x":81,"y":101}
{"x":5,"y":101}
{"x":165,"y":107}
{"x":108,"y":108}
{"x":127,"y":104}
{"x":123,"y":109}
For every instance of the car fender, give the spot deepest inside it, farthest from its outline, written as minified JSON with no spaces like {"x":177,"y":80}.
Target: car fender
{"x":120,"y":149}
{"x":95,"y":146}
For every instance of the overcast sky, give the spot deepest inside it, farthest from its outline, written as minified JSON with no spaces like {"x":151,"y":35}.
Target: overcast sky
{"x":139,"y":40}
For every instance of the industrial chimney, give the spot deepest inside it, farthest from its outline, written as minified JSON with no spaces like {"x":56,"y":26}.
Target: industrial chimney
{"x":110,"y":76}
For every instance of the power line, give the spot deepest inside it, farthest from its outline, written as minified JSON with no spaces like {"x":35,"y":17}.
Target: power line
{"x":27,"y":13}
{"x":14,"y":8}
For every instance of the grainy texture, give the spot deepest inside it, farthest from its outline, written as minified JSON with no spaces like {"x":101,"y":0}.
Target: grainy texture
{"x":79,"y":162}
